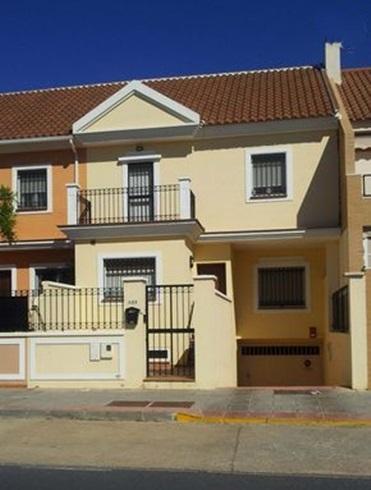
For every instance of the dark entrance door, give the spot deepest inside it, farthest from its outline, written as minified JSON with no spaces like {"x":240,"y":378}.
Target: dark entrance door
{"x":140,"y":192}
{"x":5,"y":282}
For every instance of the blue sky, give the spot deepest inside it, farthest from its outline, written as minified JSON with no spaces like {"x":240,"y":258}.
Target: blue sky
{"x":53,"y":43}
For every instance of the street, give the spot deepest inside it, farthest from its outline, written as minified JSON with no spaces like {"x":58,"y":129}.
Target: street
{"x":27,"y":478}
{"x":175,"y":447}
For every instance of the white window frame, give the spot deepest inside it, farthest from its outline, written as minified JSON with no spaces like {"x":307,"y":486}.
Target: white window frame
{"x":284,"y":262}
{"x":266,"y":150}
{"x":44,"y":265}
{"x":129,"y":255}
{"x":142,"y":157}
{"x":367,"y":250}
{"x":13,"y":275}
{"x":49,"y":185}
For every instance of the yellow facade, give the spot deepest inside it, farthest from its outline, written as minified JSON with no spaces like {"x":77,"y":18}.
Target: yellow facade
{"x":134,"y":112}
{"x":220,"y":167}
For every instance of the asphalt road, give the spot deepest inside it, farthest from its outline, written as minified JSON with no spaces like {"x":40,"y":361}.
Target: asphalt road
{"x":40,"y":478}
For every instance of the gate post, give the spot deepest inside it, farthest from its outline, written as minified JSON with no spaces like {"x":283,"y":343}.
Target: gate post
{"x":358,"y":329}
{"x":135,"y":336}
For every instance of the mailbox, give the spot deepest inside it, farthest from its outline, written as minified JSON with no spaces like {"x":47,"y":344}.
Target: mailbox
{"x":131,"y":316}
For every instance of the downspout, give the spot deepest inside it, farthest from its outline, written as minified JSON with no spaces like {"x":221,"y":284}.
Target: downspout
{"x":76,"y":162}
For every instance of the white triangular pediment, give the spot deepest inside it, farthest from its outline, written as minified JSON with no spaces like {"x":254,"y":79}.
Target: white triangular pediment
{"x":135,"y":106}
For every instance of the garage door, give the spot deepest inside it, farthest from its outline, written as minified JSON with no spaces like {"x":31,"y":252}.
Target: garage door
{"x":279,"y":364}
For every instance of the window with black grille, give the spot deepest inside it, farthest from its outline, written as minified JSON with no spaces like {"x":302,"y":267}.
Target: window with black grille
{"x":281,"y":288}
{"x":115,"y":270}
{"x":32,"y":190}
{"x":269,"y":176}
{"x":140,"y":192}
{"x":340,"y":310}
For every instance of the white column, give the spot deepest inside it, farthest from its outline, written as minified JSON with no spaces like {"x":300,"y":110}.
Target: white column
{"x":185,"y":197}
{"x":135,"y":337}
{"x":72,"y":203}
{"x":358,"y":329}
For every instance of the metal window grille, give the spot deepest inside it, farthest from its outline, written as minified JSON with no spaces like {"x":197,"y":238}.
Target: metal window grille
{"x":115,"y":270}
{"x":269,"y":175}
{"x":140,"y":192}
{"x":281,"y":287}
{"x":32,"y":189}
{"x":340,"y":310}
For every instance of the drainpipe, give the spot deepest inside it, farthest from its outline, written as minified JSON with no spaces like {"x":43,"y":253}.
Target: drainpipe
{"x":76,"y":167}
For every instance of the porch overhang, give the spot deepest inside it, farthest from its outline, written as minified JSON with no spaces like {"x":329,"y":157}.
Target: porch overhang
{"x":190,"y":229}
{"x":23,"y":245}
{"x":312,"y":234}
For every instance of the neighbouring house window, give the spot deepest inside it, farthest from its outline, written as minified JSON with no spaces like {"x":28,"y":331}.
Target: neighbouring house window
{"x":367,"y":245}
{"x":5,"y":282}
{"x":215,"y":269}
{"x":281,"y":287}
{"x":115,"y":270}
{"x":340,"y":310}
{"x":63,"y":274}
{"x":268,"y":176}
{"x":32,"y":190}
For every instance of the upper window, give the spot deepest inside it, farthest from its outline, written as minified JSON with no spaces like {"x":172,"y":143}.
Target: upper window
{"x":117,"y":269}
{"x":281,"y":287}
{"x":268,"y":174}
{"x":32,"y":192}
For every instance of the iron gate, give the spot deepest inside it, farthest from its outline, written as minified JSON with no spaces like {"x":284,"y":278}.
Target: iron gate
{"x":170,"y":339}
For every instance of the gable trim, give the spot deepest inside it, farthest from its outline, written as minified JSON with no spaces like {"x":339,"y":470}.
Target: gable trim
{"x":148,"y":94}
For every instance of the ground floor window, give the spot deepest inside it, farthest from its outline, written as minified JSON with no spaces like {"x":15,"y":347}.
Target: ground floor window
{"x":117,"y":269}
{"x":56,"y":273}
{"x":282,"y":287}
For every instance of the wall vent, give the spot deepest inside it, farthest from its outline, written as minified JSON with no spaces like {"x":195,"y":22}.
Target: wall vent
{"x":280,"y":350}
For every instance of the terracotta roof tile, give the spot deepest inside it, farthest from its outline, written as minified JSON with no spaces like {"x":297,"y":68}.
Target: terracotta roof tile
{"x":356,"y":92}
{"x":220,"y":99}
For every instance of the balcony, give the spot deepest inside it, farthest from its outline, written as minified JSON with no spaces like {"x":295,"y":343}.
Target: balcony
{"x":132,"y":211}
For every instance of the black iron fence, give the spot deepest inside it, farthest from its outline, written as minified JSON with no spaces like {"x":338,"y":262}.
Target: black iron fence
{"x":61,"y":309}
{"x":340,"y":310}
{"x":129,"y":205}
{"x":170,"y":332}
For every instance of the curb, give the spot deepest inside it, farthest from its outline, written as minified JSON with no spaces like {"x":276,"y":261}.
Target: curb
{"x":189,"y":418}
{"x":91,"y":415}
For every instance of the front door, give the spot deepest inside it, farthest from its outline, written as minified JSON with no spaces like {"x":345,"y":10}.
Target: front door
{"x":140,"y":192}
{"x":5,"y":283}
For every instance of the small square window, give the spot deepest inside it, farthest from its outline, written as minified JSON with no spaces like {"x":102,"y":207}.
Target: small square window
{"x":268,"y":176}
{"x":281,"y":288}
{"x":32,"y":189}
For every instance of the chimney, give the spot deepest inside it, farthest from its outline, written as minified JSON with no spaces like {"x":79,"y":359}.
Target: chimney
{"x":333,"y":61}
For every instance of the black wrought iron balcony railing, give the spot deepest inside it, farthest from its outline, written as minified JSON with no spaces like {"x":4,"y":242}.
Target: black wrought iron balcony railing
{"x":145,"y":204}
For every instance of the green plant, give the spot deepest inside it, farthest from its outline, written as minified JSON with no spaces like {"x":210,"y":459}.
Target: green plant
{"x":7,"y":214}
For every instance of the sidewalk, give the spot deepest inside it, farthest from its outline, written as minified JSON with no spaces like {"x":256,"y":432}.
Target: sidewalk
{"x":331,"y":406}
